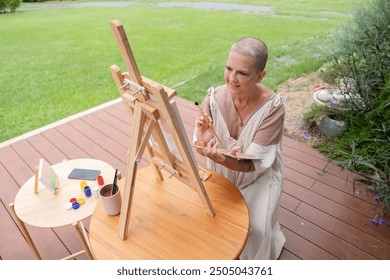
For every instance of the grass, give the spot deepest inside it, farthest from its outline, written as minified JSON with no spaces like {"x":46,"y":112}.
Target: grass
{"x":54,"y":62}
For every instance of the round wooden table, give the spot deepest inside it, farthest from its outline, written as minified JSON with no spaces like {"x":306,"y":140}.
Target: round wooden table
{"x":46,"y":209}
{"x":169,"y":221}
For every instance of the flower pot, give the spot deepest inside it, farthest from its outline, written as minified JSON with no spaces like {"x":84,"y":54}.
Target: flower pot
{"x":331,"y":127}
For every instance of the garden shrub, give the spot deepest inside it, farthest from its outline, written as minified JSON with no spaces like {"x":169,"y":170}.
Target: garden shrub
{"x":362,"y":55}
{"x":9,"y":5}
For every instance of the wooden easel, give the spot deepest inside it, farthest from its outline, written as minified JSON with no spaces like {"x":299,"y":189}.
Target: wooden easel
{"x":150,"y":104}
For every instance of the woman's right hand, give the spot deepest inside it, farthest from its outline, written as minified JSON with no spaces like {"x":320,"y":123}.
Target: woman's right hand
{"x":204,"y":130}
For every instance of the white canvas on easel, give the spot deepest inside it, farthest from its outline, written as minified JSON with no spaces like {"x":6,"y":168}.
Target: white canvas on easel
{"x":156,"y":128}
{"x":169,"y":139}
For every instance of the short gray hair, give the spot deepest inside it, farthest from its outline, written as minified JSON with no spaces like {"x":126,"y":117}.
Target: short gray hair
{"x":254,"y":47}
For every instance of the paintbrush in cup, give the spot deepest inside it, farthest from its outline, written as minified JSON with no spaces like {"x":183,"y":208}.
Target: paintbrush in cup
{"x":206,"y":120}
{"x":114,"y":184}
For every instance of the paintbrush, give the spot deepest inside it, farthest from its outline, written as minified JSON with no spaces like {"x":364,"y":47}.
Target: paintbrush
{"x":206,"y":120}
{"x":114,"y":184}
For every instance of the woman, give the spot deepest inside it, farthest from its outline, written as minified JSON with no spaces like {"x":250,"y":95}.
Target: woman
{"x":248,"y":117}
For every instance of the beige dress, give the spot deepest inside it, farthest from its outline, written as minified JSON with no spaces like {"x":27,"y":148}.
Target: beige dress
{"x":260,"y":134}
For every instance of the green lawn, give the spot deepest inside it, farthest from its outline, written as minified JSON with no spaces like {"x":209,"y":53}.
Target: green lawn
{"x":54,"y":60}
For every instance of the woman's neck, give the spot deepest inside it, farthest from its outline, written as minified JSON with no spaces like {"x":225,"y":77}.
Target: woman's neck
{"x":253,"y":98}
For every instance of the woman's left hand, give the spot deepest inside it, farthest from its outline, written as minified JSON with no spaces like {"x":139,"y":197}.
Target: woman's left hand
{"x":211,"y":151}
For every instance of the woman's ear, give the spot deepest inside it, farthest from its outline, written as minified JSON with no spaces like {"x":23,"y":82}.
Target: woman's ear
{"x":261,"y":76}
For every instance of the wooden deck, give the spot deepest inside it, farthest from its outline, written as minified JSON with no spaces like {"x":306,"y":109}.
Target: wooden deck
{"x":320,"y":216}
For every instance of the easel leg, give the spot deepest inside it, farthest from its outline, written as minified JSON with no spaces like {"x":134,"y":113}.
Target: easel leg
{"x":25,"y":233}
{"x":127,"y":199}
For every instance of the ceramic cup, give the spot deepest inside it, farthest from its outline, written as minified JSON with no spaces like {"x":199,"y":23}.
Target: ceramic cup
{"x":111,"y":203}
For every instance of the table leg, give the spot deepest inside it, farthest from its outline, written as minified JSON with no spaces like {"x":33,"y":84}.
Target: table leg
{"x":81,"y":232}
{"x":25,"y":233}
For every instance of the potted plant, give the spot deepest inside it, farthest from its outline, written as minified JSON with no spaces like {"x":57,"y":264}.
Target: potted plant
{"x":329,"y":119}
{"x":332,"y":123}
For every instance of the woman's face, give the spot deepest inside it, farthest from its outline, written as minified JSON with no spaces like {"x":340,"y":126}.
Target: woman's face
{"x":240,"y":73}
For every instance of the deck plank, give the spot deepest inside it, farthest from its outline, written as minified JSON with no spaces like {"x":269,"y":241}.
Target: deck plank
{"x":9,"y":187}
{"x":87,"y":144}
{"x":317,"y":174}
{"x":303,"y":248}
{"x":298,"y":178}
{"x":65,"y":145}
{"x":323,"y":239}
{"x":343,"y":198}
{"x":314,"y":161}
{"x":339,"y":211}
{"x":15,"y":166}
{"x":12,"y":245}
{"x":46,"y":149}
{"x":350,"y":234}
{"x":301,"y":146}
